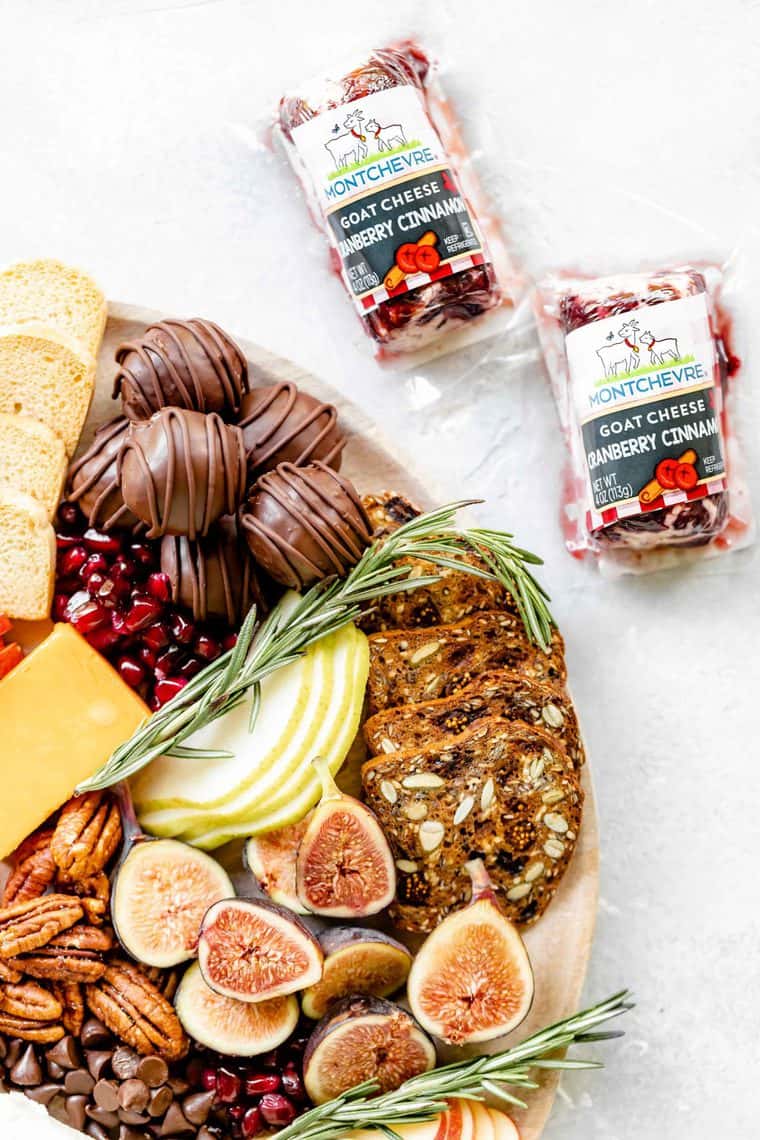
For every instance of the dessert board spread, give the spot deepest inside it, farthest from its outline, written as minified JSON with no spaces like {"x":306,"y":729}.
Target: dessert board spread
{"x":462,"y":822}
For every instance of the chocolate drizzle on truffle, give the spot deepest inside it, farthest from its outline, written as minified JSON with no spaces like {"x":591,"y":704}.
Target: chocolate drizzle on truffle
{"x":187,"y":364}
{"x":303,"y":524}
{"x":281,"y":424}
{"x":181,"y":470}
{"x":213,"y":576}
{"x":93,"y":481}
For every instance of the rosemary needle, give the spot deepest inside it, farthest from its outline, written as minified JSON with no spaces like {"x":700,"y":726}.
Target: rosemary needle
{"x":291,"y":628}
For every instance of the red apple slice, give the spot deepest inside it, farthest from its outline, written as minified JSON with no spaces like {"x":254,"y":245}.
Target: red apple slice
{"x":484,"y":1125}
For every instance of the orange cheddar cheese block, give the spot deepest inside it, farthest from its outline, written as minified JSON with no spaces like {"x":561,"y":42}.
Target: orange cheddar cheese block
{"x":63,"y":710}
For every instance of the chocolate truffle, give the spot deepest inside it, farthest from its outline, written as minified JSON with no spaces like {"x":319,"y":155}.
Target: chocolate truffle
{"x":93,"y":482}
{"x":180,"y":471}
{"x":305,"y":523}
{"x":212,"y":576}
{"x":184,"y":364}
{"x":284,"y":425}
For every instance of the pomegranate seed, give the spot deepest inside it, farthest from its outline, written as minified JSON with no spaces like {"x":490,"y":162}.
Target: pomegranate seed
{"x":131,"y":671}
{"x":64,"y":541}
{"x":259,"y":1083}
{"x":60,"y":602}
{"x":147,"y":656}
{"x":252,"y":1123}
{"x":166,"y":689}
{"x":182,"y":630}
{"x":191,"y":668}
{"x":103,"y":639}
{"x":72,"y":560}
{"x":159,"y":586}
{"x":77,"y":599}
{"x":277,"y":1109}
{"x":89,"y":617}
{"x":168,"y":662}
{"x":292,"y":1085}
{"x":69,"y":515}
{"x":229,"y":642}
{"x":208,"y":1080}
{"x":95,"y":582}
{"x":142,"y":553}
{"x":123,"y":568}
{"x":96,"y":540}
{"x":156,"y":636}
{"x":95,"y":564}
{"x":119,"y":623}
{"x":143,"y":611}
{"x":207,"y":647}
{"x":228,"y":1085}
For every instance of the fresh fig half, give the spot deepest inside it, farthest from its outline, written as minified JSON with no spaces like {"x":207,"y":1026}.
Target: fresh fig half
{"x":253,"y":950}
{"x":472,"y":979}
{"x":344,"y":868}
{"x":272,"y":859}
{"x":235,"y":1028}
{"x":160,"y":894}
{"x":357,"y":961}
{"x":364,"y":1039}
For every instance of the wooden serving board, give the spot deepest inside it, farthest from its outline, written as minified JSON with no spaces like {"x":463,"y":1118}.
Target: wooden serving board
{"x":560,"y":944}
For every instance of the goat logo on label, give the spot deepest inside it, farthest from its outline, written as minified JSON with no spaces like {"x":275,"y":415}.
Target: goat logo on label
{"x":666,"y":348}
{"x":623,"y":354}
{"x":352,"y":143}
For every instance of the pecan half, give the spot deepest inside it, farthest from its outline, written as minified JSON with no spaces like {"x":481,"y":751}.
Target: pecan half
{"x":42,"y":1032}
{"x":87,"y":834}
{"x":7,"y":973}
{"x":26,"y":926}
{"x":34,"y":870}
{"x":95,"y":893}
{"x":71,"y":997}
{"x":133,"y":1008}
{"x":29,"y":1001}
{"x":76,"y":955}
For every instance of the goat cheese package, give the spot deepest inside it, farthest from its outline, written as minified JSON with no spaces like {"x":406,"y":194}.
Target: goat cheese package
{"x":374,"y":152}
{"x":643,"y":373}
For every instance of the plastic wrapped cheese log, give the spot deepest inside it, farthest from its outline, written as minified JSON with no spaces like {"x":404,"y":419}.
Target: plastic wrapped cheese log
{"x":643,"y":375}
{"x":383,"y":181}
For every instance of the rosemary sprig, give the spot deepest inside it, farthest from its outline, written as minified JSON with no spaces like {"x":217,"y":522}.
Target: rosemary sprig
{"x":291,"y":628}
{"x":425,"y":1096}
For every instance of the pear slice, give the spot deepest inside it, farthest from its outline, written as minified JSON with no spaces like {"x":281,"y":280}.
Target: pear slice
{"x":301,"y":790}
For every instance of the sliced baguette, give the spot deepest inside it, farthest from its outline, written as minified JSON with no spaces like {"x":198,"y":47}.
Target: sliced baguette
{"x":32,"y":460}
{"x":27,"y":557}
{"x":57,"y":295}
{"x":44,"y":375}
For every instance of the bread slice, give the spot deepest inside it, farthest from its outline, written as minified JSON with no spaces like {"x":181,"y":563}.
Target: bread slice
{"x":411,"y":665}
{"x":504,"y":793}
{"x":498,"y":693}
{"x":32,"y":460}
{"x":51,"y":293}
{"x":27,"y":557}
{"x":44,"y":375}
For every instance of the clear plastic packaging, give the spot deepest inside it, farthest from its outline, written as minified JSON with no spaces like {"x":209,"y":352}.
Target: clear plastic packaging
{"x":644,"y":374}
{"x":388,"y":180}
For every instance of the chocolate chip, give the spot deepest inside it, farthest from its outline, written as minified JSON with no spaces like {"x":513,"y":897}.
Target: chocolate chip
{"x":160,"y":1101}
{"x":126,"y":1133}
{"x":125,"y":1062}
{"x":197,"y":1106}
{"x":102,"y":1116}
{"x":128,"y":1117}
{"x":79,"y":1081}
{"x":154,"y":1071}
{"x":27,"y":1071}
{"x":65,"y":1053}
{"x":15,"y":1049}
{"x":207,"y":1134}
{"x":43,"y":1094}
{"x":97,"y":1132}
{"x":179,"y":1085}
{"x":106,"y":1095}
{"x":94,"y":1034}
{"x":97,"y":1061}
{"x":175,"y":1122}
{"x":134,"y":1094}
{"x":76,"y":1111}
{"x":55,"y":1072}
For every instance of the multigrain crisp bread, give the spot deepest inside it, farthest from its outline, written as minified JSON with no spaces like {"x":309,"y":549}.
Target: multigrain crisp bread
{"x":504,"y":793}
{"x":499,"y":693}
{"x":408,"y":666}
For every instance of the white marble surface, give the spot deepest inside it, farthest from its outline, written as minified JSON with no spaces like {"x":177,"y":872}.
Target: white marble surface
{"x":608,"y":134}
